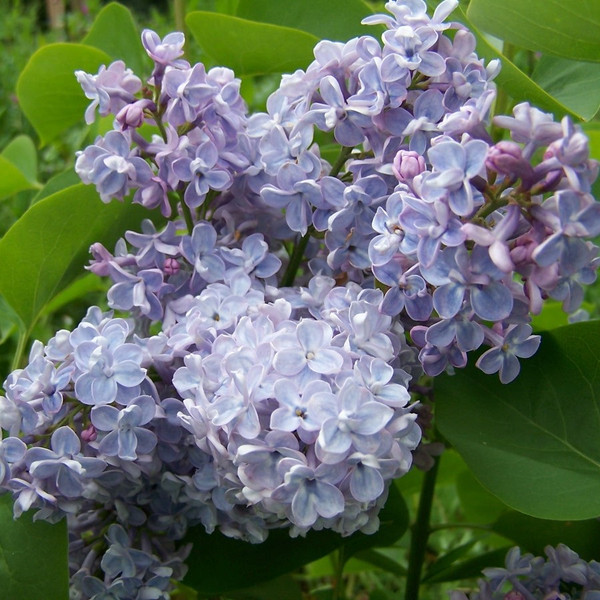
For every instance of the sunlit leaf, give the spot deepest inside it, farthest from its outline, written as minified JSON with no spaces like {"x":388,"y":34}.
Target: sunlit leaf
{"x":327,"y":19}
{"x":251,"y":48}
{"x":114,"y":32}
{"x":48,"y":91}
{"x":49,"y":245}
{"x":567,"y":29}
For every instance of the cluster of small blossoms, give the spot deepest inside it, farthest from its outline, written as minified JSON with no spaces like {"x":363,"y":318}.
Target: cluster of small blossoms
{"x":258,"y":374}
{"x":562,"y":576}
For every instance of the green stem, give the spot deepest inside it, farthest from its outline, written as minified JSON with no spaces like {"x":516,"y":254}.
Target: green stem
{"x":338,"y":592}
{"x":341,"y":160}
{"x":21,"y":343}
{"x":187,"y":215}
{"x":420,"y":534}
{"x":179,"y":9}
{"x":295,"y":260}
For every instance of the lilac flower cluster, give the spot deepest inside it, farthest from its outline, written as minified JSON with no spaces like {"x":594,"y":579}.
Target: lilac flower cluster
{"x":561,"y":576}
{"x":258,"y":374}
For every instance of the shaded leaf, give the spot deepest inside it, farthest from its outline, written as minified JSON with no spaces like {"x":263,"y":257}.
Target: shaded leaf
{"x":469,"y":568}
{"x":338,"y":20}
{"x":533,"y":442}
{"x":534,"y":535}
{"x":477,"y":504}
{"x":114,"y":32}
{"x":49,"y":245}
{"x":210,"y":562}
{"x":251,"y":48}
{"x":48,"y":91}
{"x":567,"y":29}
{"x":33,"y":557}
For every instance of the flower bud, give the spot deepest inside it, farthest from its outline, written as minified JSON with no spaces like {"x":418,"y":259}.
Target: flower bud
{"x":407,"y":165}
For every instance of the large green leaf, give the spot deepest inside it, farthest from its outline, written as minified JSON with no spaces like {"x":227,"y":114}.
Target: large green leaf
{"x":114,"y":32}
{"x":574,"y":84}
{"x":33,"y":557}
{"x":534,"y":442}
{"x":251,"y":48}
{"x":218,"y":564}
{"x":49,"y":245}
{"x":567,"y":29}
{"x":534,"y":535}
{"x":327,"y":19}
{"x":48,"y":91}
{"x":514,"y":81}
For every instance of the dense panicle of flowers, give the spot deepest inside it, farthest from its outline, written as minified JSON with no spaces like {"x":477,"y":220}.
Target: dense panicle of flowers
{"x":561,"y":575}
{"x":256,"y":374}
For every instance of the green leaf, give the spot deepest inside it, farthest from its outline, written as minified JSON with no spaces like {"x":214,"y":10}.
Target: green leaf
{"x":33,"y":557}
{"x":514,"y":81}
{"x":534,"y":535}
{"x":534,"y":442}
{"x":22,"y":153}
{"x":114,"y":32}
{"x":567,"y":29}
{"x":469,"y":568}
{"x":251,"y":48}
{"x":573,"y":84}
{"x":48,"y":91}
{"x":327,"y":19}
{"x":210,"y":562}
{"x":57,"y":183}
{"x":48,"y":246}
{"x":477,"y":504}
{"x":12,"y":179}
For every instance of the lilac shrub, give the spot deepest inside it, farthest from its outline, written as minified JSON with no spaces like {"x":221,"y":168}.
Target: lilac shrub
{"x":255,"y":369}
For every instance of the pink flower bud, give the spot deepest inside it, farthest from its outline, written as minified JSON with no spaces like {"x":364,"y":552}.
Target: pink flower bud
{"x":170,"y":266}
{"x":407,"y":165}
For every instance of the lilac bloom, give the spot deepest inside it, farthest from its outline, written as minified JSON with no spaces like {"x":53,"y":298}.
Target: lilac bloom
{"x":111,"y":167}
{"x":137,"y":291}
{"x":349,"y":419}
{"x":126,"y":436}
{"x":408,"y":291}
{"x":110,"y":90}
{"x":293,"y":413}
{"x":379,"y":378}
{"x":334,"y":113}
{"x":309,"y":346}
{"x":254,"y":257}
{"x":166,"y":51}
{"x":516,"y":343}
{"x":105,"y":372}
{"x":530,"y":126}
{"x":295,"y":193}
{"x":411,"y":49}
{"x":570,"y":218}
{"x":199,"y":250}
{"x":454,"y":165}
{"x":310,"y":493}
{"x":433,"y":223}
{"x":204,"y":172}
{"x":188,"y":91}
{"x":63,"y":463}
{"x":490,"y":298}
